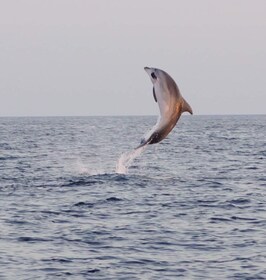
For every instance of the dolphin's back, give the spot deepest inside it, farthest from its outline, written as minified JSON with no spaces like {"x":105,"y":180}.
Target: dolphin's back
{"x":167,"y":94}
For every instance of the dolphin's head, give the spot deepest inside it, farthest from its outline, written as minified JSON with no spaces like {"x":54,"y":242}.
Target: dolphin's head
{"x":153,"y":74}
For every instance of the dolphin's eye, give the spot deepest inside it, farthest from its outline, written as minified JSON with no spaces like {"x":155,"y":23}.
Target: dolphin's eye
{"x":153,"y":75}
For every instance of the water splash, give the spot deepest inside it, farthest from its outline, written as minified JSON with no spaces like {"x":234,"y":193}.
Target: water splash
{"x":127,"y":158}
{"x":78,"y":167}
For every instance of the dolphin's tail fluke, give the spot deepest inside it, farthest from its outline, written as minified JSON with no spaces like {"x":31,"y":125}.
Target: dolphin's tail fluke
{"x":142,"y":144}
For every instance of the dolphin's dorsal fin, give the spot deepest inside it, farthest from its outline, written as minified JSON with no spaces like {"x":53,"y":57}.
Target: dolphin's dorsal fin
{"x":154,"y":95}
{"x":186,"y":107}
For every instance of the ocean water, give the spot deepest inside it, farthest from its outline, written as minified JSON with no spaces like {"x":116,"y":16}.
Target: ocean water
{"x":190,"y":207}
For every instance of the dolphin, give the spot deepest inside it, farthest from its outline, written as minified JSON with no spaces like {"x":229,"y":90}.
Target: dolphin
{"x":171,"y":105}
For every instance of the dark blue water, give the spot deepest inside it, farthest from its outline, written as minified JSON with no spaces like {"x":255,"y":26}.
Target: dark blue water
{"x":191,"y":207}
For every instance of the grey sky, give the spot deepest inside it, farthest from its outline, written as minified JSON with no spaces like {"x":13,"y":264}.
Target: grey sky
{"x":82,"y":57}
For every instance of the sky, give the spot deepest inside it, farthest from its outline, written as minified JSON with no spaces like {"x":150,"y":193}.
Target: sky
{"x":86,"y":57}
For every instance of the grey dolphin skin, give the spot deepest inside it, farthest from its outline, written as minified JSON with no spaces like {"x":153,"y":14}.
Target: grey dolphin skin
{"x":171,"y":105}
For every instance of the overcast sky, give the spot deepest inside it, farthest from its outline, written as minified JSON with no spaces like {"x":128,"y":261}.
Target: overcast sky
{"x":86,"y":57}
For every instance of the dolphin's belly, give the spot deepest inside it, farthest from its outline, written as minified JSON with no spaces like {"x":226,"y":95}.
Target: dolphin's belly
{"x":164,"y":127}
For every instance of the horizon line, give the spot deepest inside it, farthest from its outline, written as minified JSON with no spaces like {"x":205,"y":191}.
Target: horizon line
{"x":122,"y":115}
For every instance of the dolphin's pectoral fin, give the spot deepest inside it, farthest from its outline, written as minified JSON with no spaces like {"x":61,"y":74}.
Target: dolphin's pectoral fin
{"x":186,"y":107}
{"x":154,"y":95}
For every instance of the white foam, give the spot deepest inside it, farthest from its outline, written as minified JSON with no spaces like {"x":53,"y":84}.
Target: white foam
{"x":126,"y":159}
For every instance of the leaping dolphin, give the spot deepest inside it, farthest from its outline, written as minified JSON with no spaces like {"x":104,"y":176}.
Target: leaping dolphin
{"x":171,"y":105}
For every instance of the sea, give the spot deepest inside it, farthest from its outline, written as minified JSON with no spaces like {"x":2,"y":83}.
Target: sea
{"x":78,"y":202}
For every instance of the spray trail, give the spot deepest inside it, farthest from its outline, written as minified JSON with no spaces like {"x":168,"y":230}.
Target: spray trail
{"x":127,"y":158}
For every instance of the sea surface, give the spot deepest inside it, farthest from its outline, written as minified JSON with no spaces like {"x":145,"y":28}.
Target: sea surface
{"x":190,"y":207}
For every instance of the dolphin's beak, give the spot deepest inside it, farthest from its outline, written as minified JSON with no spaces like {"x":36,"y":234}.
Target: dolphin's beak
{"x":148,"y":70}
